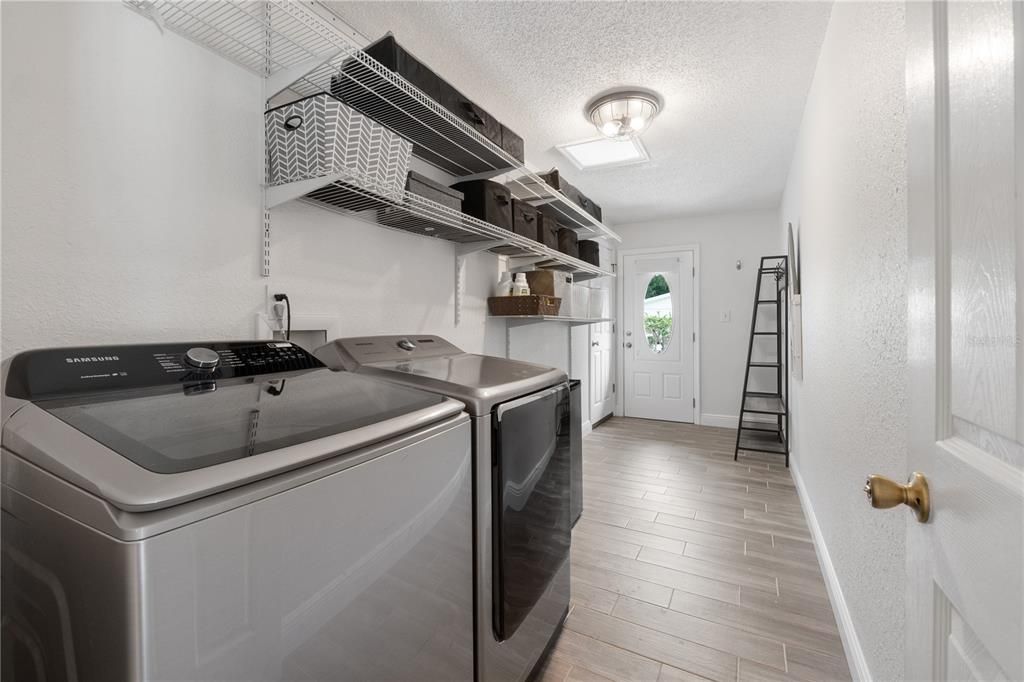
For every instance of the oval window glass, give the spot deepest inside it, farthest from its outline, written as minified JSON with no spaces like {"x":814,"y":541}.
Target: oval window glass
{"x":658,"y":314}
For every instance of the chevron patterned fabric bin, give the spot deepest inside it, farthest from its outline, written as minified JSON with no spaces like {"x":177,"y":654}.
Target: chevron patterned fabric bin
{"x":319,"y":136}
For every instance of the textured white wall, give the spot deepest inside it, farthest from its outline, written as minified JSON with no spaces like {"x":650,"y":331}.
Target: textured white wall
{"x":131,"y":204}
{"x":723,"y":239}
{"x":847,"y":194}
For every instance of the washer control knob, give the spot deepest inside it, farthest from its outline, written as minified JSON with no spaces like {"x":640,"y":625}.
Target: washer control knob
{"x":406,"y":344}
{"x":202,"y":358}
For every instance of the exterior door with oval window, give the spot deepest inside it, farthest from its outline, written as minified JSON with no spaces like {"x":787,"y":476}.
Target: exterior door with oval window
{"x":658,"y":336}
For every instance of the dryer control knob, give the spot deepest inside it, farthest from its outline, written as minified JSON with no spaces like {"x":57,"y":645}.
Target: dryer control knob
{"x":406,"y":344}
{"x":202,"y":358}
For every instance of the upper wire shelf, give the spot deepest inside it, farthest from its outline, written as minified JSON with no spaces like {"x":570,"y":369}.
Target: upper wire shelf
{"x":299,"y":51}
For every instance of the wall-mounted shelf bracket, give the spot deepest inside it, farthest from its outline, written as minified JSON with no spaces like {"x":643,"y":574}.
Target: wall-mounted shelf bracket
{"x":485,"y":175}
{"x":279,"y":81}
{"x":524,"y":263}
{"x":462,"y":251}
{"x":153,"y":12}
{"x":279,"y":194}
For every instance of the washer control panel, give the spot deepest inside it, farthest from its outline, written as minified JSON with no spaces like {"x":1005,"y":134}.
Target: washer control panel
{"x":67,"y":372}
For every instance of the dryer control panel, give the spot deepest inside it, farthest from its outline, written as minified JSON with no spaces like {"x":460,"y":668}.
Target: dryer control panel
{"x":66,"y":372}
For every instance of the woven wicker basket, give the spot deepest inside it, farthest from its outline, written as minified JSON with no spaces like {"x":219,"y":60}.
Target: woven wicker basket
{"x":524,"y":305}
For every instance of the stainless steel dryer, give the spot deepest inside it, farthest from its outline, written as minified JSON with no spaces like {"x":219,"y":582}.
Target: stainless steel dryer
{"x":521,"y":453}
{"x":231,"y":511}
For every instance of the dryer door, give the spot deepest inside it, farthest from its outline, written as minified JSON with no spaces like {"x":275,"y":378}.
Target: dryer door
{"x":531,"y":502}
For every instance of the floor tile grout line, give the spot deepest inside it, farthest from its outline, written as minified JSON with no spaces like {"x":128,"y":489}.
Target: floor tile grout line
{"x":691,"y":641}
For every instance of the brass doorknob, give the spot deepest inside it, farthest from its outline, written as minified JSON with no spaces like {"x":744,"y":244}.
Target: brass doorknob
{"x":884,"y":493}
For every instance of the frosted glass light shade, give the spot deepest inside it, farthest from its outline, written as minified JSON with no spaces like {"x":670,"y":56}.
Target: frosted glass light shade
{"x":623,"y":114}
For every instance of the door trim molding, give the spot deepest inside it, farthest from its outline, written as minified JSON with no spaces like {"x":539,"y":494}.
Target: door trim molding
{"x":855,"y":658}
{"x":620,"y":336}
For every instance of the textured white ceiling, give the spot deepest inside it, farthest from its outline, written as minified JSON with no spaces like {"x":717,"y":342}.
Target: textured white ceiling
{"x":734,"y":77}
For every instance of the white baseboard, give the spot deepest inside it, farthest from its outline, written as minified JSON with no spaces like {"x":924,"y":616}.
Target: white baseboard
{"x":851,"y":644}
{"x":726,"y":421}
{"x":587,"y":428}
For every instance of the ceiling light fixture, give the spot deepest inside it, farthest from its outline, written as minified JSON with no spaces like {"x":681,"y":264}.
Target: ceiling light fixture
{"x":624,"y":114}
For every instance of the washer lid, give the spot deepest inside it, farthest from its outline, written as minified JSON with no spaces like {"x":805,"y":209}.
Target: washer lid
{"x":479,"y":381}
{"x":153,"y":446}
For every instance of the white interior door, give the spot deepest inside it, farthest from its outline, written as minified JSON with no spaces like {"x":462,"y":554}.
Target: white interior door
{"x":602,"y":354}
{"x":658,"y":336}
{"x":965,"y":583}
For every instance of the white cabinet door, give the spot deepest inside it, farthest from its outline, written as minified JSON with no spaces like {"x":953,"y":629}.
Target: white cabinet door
{"x":602,"y":353}
{"x":658,"y":329}
{"x":965,"y":585}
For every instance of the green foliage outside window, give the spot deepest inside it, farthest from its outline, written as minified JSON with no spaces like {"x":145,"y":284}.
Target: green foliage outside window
{"x":657,"y":286}
{"x":659,"y":331}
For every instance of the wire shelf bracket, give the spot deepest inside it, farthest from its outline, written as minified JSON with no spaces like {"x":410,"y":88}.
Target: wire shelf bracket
{"x":279,"y":81}
{"x":462,"y":252}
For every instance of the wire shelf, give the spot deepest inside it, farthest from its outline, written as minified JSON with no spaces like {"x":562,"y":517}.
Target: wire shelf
{"x":351,"y":194}
{"x":298,"y":50}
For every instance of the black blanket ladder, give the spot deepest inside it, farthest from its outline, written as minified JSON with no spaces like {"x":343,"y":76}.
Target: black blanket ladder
{"x":764,"y":418}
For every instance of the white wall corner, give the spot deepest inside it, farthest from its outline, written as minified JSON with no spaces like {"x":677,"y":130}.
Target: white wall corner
{"x":859,"y":670}
{"x":587,"y":428}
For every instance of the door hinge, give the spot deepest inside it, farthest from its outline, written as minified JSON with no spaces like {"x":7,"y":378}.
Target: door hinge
{"x":613,"y":388}
{"x":695,"y":337}
{"x":695,"y":403}
{"x":693,"y":271}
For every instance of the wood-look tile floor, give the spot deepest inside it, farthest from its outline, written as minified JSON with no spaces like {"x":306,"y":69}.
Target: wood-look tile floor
{"x":689,"y":566}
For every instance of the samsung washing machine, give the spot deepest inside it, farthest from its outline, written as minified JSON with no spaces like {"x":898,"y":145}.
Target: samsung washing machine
{"x":230,"y":511}
{"x":521,"y":451}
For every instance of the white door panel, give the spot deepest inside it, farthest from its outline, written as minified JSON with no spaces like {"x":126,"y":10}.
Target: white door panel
{"x":965,"y":567}
{"x":659,"y":338}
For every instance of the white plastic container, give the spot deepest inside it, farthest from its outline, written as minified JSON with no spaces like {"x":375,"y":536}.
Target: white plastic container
{"x":504,"y":285}
{"x":599,"y":308}
{"x":580,"y":301}
{"x":519,"y":285}
{"x":563,"y":290}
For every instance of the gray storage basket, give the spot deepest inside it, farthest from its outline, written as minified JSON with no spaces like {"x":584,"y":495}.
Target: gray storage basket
{"x":319,"y":136}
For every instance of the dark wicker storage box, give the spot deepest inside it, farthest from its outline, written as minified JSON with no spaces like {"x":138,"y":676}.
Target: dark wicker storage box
{"x":571,"y":193}
{"x":524,"y":219}
{"x":590,"y":252}
{"x":512,"y":143}
{"x":489,"y":201}
{"x":568,"y":242}
{"x":396,"y":58}
{"x":524,"y":305}
{"x":547,"y":230}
